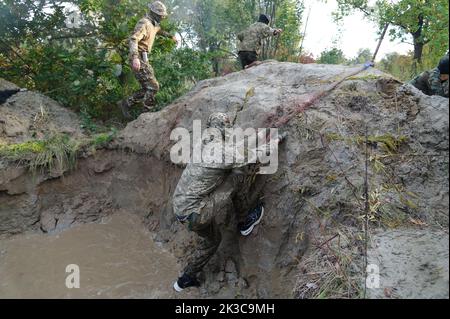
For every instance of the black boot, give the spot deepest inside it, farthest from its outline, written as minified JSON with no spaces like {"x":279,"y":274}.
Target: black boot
{"x":184,"y":282}
{"x":253,"y":219}
{"x":125,"y":109}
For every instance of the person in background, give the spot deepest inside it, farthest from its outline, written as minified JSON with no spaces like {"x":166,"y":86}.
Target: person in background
{"x":434,"y":82}
{"x":250,"y":41}
{"x":140,"y":44}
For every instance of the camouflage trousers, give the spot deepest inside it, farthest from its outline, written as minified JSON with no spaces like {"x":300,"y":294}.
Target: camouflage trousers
{"x":149,"y":86}
{"x":247,"y":58}
{"x":207,"y":242}
{"x":240,"y":194}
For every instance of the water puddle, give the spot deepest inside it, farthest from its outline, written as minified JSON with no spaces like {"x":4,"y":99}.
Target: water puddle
{"x":116,"y":259}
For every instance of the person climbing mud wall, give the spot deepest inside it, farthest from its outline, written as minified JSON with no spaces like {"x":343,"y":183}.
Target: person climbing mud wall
{"x":196,"y":204}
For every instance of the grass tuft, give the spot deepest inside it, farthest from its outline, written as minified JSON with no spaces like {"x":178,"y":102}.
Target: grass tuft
{"x":58,"y":151}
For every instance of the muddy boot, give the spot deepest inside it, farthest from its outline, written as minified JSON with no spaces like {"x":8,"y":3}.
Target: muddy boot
{"x":125,"y":109}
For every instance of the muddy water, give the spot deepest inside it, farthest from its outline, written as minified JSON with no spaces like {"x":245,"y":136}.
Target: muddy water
{"x":117,"y":259}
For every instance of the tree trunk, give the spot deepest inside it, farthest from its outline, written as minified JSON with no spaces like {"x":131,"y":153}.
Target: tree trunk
{"x":418,"y":41}
{"x":418,"y":50}
{"x":215,"y":60}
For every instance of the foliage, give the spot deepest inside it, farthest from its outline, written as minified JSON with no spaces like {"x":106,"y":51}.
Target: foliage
{"x":76,"y":51}
{"x":57,"y":151}
{"x":86,"y":67}
{"x":306,"y":58}
{"x":425,"y":21}
{"x":332,"y":56}
{"x":402,"y":66}
{"x":212,"y":26}
{"x":179,"y":71}
{"x":363,"y":56}
{"x":398,"y":65}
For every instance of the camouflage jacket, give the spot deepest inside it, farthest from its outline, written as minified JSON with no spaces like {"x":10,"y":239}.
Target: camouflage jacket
{"x":251,"y":39}
{"x":201,"y":179}
{"x":445,"y":86}
{"x":144,"y":35}
{"x":429,"y":83}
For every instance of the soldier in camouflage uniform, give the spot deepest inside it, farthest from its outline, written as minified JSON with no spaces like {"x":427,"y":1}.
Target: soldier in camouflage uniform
{"x":250,"y":40}
{"x":196,"y":204}
{"x":434,"y":82}
{"x":141,"y":43}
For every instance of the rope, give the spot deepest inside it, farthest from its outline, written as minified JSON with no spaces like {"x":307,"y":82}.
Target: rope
{"x":383,"y":34}
{"x":367,"y":209}
{"x":308,"y":100}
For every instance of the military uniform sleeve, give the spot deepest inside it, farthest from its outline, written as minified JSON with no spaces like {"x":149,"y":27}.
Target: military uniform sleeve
{"x":445,"y":88}
{"x":165,"y":34}
{"x":138,"y":35}
{"x":413,"y":82}
{"x":251,"y":152}
{"x":436,"y":84}
{"x":240,"y":36}
{"x":266,"y":31}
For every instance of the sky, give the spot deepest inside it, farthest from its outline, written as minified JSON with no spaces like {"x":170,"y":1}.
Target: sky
{"x":357,"y":32}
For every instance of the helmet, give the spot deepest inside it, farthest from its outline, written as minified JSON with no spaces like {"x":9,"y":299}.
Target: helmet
{"x":443,"y":65}
{"x":220,"y":121}
{"x":158,"y":8}
{"x":264,"y":18}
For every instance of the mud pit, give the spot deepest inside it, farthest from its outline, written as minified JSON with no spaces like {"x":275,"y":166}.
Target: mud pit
{"x":117,"y":259}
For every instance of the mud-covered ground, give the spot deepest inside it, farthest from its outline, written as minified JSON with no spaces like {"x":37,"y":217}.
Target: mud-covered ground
{"x":412,"y":264}
{"x":117,"y":258}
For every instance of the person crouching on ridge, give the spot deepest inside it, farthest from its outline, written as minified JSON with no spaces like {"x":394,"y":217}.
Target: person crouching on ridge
{"x":434,"y":82}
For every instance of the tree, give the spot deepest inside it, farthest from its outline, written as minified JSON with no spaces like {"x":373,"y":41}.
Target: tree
{"x":363,"y":56}
{"x":425,"y":21}
{"x":76,"y":51}
{"x":85,"y":65}
{"x":402,"y":66}
{"x":332,"y":56}
{"x":212,"y":26}
{"x":398,"y":65}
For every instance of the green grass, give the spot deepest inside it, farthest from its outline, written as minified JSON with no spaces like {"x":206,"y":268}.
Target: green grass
{"x":57,"y":151}
{"x":367,"y":77}
{"x":19,"y":151}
